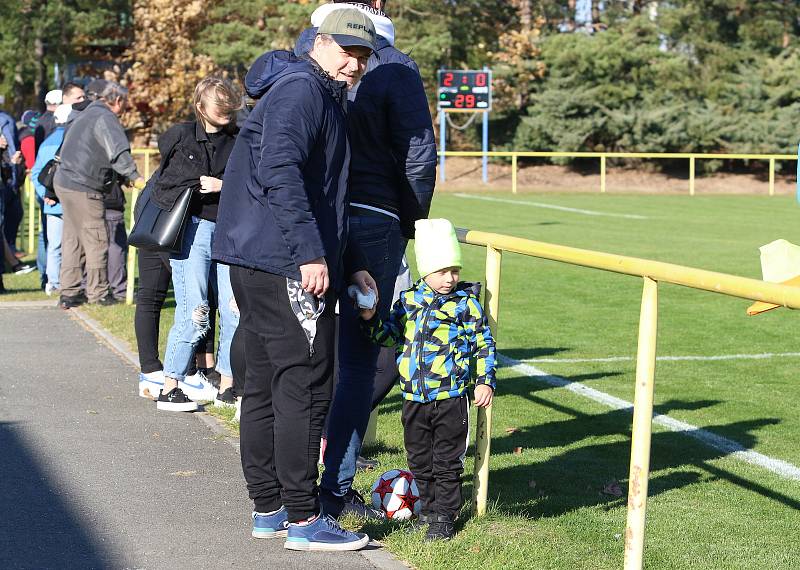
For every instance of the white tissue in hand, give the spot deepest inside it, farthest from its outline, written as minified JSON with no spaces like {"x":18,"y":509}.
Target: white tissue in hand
{"x":367,"y":301}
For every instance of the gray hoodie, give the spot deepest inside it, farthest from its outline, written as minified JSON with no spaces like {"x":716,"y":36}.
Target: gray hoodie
{"x":95,"y":148}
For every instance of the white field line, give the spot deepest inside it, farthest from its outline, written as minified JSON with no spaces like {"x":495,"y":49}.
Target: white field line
{"x":722,"y":444}
{"x":552,"y":207}
{"x":762,"y":356}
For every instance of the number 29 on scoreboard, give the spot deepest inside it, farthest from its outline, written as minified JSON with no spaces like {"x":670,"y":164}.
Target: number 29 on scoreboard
{"x":464,"y":90}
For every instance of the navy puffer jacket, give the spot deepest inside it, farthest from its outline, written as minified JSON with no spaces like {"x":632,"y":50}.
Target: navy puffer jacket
{"x":285,"y":185}
{"x":391,"y":135}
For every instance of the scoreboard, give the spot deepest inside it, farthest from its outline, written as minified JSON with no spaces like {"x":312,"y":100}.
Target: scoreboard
{"x":465,"y":90}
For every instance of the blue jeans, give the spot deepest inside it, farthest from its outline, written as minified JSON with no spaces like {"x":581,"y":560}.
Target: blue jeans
{"x":194,"y":276}
{"x":383,"y":245}
{"x":41,"y":251}
{"x":54,"y":227}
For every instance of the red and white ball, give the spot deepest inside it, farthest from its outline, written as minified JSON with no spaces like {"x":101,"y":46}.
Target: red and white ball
{"x":396,"y":494}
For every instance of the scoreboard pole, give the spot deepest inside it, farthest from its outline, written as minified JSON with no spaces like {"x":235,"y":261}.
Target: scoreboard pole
{"x":442,"y":144}
{"x":485,"y":138}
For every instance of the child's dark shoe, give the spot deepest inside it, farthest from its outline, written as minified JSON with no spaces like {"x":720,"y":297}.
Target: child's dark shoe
{"x":440,"y":527}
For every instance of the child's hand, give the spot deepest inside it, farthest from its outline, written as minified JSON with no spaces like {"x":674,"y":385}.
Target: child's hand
{"x":483,"y":395}
{"x":367,"y":314}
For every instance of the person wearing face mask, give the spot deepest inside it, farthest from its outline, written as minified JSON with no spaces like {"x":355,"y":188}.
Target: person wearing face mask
{"x":392,"y":179}
{"x":282,"y":227}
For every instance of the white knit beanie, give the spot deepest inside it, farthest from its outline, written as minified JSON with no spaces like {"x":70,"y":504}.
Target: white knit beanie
{"x":436,"y":246}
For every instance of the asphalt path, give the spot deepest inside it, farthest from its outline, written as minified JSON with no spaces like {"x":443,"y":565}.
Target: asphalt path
{"x":92,"y":476}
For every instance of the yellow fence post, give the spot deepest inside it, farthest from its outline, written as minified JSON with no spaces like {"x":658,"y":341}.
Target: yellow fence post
{"x":371,"y":435}
{"x":642,"y":426}
{"x":603,"y":174}
{"x":691,"y":176}
{"x":146,"y":165}
{"x":771,"y":176}
{"x":513,"y":173}
{"x":483,"y":437}
{"x":131,"y":254}
{"x":31,"y":213}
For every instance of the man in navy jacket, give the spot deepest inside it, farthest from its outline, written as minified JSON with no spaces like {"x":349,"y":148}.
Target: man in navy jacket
{"x":392,"y":177}
{"x":282,"y":226}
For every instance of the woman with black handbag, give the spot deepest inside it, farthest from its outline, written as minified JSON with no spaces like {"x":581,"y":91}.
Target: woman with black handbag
{"x":194,"y":155}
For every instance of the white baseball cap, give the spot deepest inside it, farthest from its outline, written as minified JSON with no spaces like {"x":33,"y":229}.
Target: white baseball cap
{"x":61,"y":113}
{"x":53,"y":97}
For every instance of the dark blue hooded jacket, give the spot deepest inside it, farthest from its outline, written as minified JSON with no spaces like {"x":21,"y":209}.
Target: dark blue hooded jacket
{"x":284,"y":195}
{"x":393,"y":164}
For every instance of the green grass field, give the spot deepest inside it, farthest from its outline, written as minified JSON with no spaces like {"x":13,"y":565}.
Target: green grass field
{"x":557,"y":455}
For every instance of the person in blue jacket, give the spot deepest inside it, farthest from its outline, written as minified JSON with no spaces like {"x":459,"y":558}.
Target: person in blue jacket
{"x":392,"y":178}
{"x":282,"y":226}
{"x":53,"y":221}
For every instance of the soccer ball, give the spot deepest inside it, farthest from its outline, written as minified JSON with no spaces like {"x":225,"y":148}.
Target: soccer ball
{"x":396,"y":494}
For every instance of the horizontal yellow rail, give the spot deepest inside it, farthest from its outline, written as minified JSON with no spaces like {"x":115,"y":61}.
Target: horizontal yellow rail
{"x":724,"y":283}
{"x":652,"y":273}
{"x":603,"y":156}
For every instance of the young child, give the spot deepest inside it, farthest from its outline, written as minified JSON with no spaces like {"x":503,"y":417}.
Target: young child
{"x":438,"y":326}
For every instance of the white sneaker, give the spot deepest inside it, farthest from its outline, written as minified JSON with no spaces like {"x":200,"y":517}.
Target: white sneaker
{"x":49,"y":290}
{"x":198,"y":388}
{"x":238,"y":415}
{"x":151,"y":384}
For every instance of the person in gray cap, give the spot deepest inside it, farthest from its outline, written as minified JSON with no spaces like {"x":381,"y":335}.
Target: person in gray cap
{"x":95,"y":156}
{"x":282,"y":227}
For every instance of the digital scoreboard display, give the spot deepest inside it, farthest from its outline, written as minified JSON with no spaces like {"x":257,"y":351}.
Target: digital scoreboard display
{"x":465,"y":90}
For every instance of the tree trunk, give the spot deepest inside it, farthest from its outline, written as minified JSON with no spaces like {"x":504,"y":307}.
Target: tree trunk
{"x":525,"y":15}
{"x":40,"y":79}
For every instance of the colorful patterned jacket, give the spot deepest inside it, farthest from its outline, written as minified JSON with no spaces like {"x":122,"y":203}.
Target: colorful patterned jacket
{"x":436,"y":335}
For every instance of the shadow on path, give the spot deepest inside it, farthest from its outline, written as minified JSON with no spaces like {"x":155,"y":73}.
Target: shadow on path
{"x":37,"y":528}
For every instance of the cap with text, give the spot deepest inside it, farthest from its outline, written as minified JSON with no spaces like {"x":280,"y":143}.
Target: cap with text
{"x":349,"y":27}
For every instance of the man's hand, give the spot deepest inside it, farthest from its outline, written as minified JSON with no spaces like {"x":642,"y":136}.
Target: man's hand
{"x":50,"y":201}
{"x":16,"y":158}
{"x":315,"y":278}
{"x":483,"y":395}
{"x":138,"y":183}
{"x":210,"y":184}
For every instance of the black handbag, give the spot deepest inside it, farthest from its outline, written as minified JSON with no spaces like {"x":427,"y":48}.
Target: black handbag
{"x":48,"y":173}
{"x":156,"y":229}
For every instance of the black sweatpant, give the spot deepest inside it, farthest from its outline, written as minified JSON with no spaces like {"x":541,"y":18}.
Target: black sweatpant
{"x":435,"y":436}
{"x":155,"y":276}
{"x":287,"y":394}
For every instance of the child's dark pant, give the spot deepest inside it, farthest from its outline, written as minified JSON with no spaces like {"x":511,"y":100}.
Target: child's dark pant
{"x":436,"y":437}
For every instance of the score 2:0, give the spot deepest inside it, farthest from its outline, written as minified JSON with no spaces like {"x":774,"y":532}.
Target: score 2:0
{"x":480,"y":79}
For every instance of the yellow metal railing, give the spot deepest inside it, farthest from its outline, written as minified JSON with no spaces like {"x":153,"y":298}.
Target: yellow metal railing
{"x":603,"y":156}
{"x":652,"y":272}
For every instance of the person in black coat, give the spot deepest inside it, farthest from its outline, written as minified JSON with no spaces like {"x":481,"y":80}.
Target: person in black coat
{"x":193,"y":157}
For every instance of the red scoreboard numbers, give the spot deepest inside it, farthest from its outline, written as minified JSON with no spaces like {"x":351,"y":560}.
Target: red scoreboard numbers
{"x":465,"y":90}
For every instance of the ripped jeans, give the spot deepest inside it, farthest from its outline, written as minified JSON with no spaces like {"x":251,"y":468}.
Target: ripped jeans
{"x":194,"y":277}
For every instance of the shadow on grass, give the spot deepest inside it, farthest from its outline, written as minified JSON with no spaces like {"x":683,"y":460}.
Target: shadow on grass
{"x":380,"y":447}
{"x":575,"y":478}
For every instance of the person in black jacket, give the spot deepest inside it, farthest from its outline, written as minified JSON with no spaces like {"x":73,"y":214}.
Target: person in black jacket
{"x":283,"y":227}
{"x":194,"y":156}
{"x":392,"y":178}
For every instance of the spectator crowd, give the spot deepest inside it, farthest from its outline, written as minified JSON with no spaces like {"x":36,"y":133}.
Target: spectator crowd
{"x":293,"y":299}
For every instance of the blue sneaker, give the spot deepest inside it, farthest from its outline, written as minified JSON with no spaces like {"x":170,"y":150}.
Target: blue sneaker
{"x":271,"y":525}
{"x":324,"y":534}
